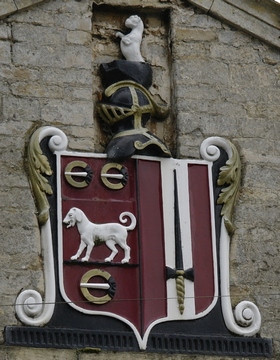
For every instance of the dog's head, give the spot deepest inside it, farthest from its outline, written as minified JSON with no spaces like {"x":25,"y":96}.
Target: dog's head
{"x":133,"y":21}
{"x":72,"y":217}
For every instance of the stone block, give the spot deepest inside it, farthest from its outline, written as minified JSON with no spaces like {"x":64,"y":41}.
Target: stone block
{"x":262,"y":176}
{"x":5,"y":31}
{"x":7,"y":7}
{"x":233,"y":38}
{"x":245,"y":21}
{"x":79,"y":37}
{"x":68,"y":113}
{"x":265,"y":11}
{"x":87,"y":144}
{"x":70,"y":77}
{"x":71,"y":6}
{"x":192,"y":34}
{"x":5,"y":52}
{"x":43,"y":35}
{"x":243,"y":55}
{"x":199,"y":70}
{"x":70,"y":56}
{"x":23,"y":4}
{"x":73,"y":22}
{"x":205,"y":22}
{"x":18,"y":109}
{"x":203,"y":4}
{"x":13,"y":73}
{"x":20,"y":353}
{"x":37,"y":90}
{"x":257,"y":128}
{"x":78,"y":93}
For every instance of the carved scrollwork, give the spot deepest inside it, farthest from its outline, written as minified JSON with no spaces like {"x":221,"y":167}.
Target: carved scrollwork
{"x":230,"y":175}
{"x":29,"y":306}
{"x":39,"y":167}
{"x":246,"y":318}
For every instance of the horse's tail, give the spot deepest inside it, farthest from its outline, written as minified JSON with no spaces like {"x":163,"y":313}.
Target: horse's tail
{"x":123,"y":220}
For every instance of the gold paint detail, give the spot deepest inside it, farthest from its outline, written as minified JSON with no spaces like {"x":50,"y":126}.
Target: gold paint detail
{"x":112,"y":113}
{"x":38,"y":166}
{"x":180,"y":288}
{"x":69,"y":174}
{"x":230,"y":174}
{"x":86,"y":277}
{"x":140,"y":146}
{"x":141,"y":131}
{"x":122,"y":176}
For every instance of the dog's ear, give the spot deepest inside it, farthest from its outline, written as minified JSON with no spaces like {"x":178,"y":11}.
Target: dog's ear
{"x":78,"y":215}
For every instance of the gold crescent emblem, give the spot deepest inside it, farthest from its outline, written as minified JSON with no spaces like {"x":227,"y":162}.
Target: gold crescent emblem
{"x":86,"y":174}
{"x":120,"y":179}
{"x":109,"y":286}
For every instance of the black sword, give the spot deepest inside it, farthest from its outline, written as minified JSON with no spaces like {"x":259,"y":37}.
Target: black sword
{"x":179,"y":274}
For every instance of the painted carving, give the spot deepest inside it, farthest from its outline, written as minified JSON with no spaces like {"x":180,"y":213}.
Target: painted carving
{"x":109,"y":286}
{"x":173,"y":259}
{"x":111,"y":234}
{"x":30,"y":307}
{"x":246,"y":319}
{"x":71,"y":175}
{"x":111,"y":180}
{"x":127,"y":105}
{"x":130,"y":43}
{"x":179,"y":274}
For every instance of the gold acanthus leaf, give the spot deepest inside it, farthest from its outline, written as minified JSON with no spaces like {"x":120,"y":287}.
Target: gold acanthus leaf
{"x":38,"y":166}
{"x":230,"y":175}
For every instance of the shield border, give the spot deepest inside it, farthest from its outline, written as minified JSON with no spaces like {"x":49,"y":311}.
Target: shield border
{"x":172,"y":314}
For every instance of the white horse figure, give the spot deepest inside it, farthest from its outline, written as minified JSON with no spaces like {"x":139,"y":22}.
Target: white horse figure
{"x":130,"y":43}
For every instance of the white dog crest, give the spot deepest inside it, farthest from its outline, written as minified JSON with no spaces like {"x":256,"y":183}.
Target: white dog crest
{"x":111,"y":233}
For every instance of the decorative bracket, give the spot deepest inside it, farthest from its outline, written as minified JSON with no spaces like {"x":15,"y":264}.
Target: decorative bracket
{"x":246,"y":318}
{"x":29,"y":307}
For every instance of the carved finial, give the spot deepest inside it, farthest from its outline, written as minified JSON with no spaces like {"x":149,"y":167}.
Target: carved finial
{"x":130,"y":43}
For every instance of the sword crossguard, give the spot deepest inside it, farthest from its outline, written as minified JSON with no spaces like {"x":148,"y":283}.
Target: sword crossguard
{"x":174,"y":273}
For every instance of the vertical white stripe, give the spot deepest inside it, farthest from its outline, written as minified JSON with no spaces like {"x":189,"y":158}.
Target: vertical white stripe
{"x":167,"y":168}
{"x":184,"y":211}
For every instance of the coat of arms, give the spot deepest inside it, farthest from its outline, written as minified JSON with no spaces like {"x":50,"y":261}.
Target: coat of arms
{"x":135,"y":243}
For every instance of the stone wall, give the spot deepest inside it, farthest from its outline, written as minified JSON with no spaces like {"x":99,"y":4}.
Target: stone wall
{"x":227,"y":83}
{"x":219,"y":80}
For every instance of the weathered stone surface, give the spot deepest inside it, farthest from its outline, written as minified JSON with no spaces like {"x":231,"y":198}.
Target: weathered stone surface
{"x":27,"y":354}
{"x":5,"y":31}
{"x":5,"y":52}
{"x":79,"y":37}
{"x":68,"y":113}
{"x":191,"y":34}
{"x":55,"y":56}
{"x":7,"y":7}
{"x":260,"y":19}
{"x":22,"y":4}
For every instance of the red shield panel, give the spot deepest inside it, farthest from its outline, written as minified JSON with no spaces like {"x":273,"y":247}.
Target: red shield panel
{"x":172,"y":245}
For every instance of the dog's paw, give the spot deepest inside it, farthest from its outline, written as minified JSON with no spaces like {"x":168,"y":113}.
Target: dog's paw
{"x":108,"y":259}
{"x":74,"y":257}
{"x":125,"y":261}
{"x":84,"y":259}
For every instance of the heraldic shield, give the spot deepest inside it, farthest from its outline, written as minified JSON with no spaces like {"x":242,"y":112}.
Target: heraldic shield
{"x":136,"y":253}
{"x":163,"y":267}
